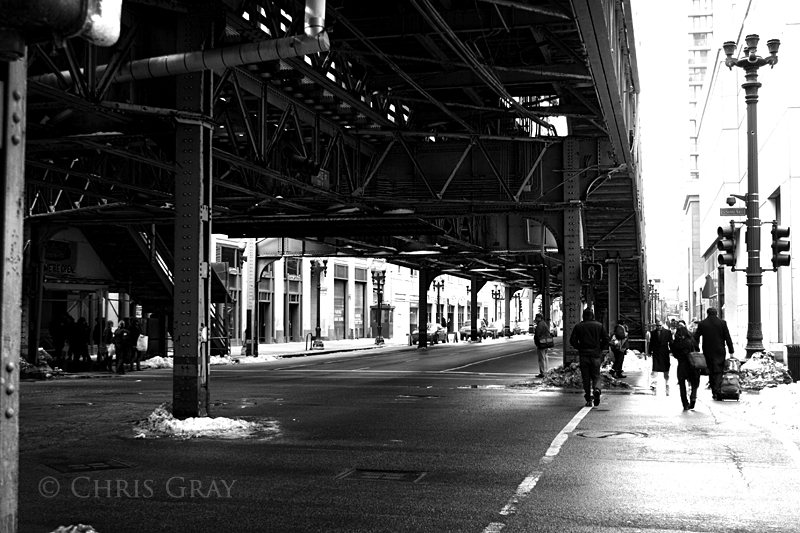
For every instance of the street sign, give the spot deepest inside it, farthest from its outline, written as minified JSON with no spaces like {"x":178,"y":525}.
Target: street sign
{"x":733,"y":211}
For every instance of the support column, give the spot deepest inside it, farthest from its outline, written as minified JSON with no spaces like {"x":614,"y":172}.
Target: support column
{"x":192,"y":239}
{"x":572,"y":248}
{"x":613,"y":292}
{"x":422,"y":312}
{"x":509,"y":292}
{"x":546,"y":296}
{"x":12,"y":178}
{"x":474,"y":287}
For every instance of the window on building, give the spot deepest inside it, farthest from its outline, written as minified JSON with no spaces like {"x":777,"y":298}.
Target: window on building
{"x":698,"y":57}
{"x":694,"y":92}
{"x":702,"y":22}
{"x":693,"y":128}
{"x":697,"y":74}
{"x":694,"y":174}
{"x":692,"y":144}
{"x":693,"y":161}
{"x":699,"y":39}
{"x":292,"y":266}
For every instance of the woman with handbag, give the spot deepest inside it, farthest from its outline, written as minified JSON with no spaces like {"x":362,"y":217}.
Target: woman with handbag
{"x":681,"y":346}
{"x":543,"y":340}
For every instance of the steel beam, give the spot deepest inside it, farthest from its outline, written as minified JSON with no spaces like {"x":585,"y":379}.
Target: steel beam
{"x":571,"y":283}
{"x":193,"y":202}
{"x":12,"y":179}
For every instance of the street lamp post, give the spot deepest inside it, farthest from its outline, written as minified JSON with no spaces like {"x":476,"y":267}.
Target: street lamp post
{"x":650,"y":291}
{"x":751,"y":63}
{"x":379,"y":280}
{"x":318,"y":268}
{"x":439,"y":285}
{"x":496,"y":295}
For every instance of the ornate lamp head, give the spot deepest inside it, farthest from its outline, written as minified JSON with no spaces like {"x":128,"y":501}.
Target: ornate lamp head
{"x":730,"y":48}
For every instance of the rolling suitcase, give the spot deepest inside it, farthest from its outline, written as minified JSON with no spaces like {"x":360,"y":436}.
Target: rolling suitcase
{"x":730,"y":388}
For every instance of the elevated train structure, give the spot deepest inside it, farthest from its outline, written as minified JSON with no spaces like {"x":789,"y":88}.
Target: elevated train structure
{"x":493,"y":140}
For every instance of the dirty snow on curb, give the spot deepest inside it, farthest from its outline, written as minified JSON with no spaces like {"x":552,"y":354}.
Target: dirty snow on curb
{"x":161,"y":423}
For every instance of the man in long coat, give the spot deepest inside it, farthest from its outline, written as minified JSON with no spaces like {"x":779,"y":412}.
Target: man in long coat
{"x":715,"y":334}
{"x":659,"y":350}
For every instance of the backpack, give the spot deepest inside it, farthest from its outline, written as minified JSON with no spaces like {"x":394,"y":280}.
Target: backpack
{"x":620,"y":332}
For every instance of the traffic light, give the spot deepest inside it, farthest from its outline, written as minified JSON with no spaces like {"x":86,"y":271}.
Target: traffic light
{"x":726,"y":243}
{"x":780,"y":244}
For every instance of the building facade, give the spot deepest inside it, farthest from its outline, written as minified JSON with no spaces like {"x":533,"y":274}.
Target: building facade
{"x":722,"y":168}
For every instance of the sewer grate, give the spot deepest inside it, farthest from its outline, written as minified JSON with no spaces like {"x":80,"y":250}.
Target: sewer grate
{"x":611,"y":434}
{"x":66,"y":468}
{"x":406,"y":476}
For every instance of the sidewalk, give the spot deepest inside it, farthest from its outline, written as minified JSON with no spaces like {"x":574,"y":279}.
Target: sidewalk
{"x":299,"y":349}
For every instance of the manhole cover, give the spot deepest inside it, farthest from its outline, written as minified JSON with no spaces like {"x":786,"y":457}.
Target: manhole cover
{"x":611,"y":434}
{"x":66,"y":468}
{"x":406,"y":476}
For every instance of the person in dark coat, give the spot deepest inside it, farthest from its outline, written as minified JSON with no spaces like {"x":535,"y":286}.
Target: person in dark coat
{"x":108,"y":340}
{"x":590,"y":338}
{"x":660,"y":339}
{"x":621,"y":334}
{"x":79,"y":341}
{"x":541,"y":331}
{"x":122,"y":345}
{"x":681,"y":346}
{"x":714,"y":332}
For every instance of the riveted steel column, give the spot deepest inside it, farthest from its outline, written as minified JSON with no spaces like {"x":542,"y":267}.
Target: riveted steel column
{"x":192,"y":239}
{"x":546,"y":297}
{"x":12,"y":178}
{"x":422,"y":311}
{"x":474,"y":317}
{"x":509,"y":292}
{"x":613,"y":292}
{"x":572,"y":248}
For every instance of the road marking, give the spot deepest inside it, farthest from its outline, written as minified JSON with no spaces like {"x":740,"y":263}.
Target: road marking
{"x":524,"y":489}
{"x":522,"y":492}
{"x":483,"y":361}
{"x":409,"y":360}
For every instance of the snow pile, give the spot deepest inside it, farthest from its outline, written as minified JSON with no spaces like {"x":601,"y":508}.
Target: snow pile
{"x":80,"y":528}
{"x":157,"y":362}
{"x":570,"y":377}
{"x":762,"y":371}
{"x":222,"y":360}
{"x":779,"y":405}
{"x":262,"y":358}
{"x":161,"y":423}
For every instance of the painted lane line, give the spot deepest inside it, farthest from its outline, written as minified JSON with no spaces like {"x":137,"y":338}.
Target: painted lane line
{"x":522,"y":492}
{"x":524,"y":489}
{"x":563,"y":435}
{"x":483,"y":361}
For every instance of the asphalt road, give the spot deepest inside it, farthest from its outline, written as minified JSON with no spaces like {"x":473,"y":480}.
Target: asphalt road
{"x":401,"y":440}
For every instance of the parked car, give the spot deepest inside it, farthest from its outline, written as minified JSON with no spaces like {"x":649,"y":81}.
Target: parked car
{"x":466,"y":330}
{"x":436,"y":334}
{"x":494,"y":330}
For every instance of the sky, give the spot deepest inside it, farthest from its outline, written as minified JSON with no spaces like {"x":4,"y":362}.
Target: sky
{"x":661,"y":36}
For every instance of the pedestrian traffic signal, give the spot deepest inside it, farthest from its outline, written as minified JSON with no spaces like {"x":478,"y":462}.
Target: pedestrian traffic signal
{"x":780,"y":246}
{"x":726,"y":243}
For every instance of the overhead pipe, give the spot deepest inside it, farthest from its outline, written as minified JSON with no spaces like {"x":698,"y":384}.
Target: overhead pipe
{"x":314,"y":40}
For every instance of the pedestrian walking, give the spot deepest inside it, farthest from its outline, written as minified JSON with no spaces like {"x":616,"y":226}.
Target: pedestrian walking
{"x":80,"y":333}
{"x":122,"y":346}
{"x":660,"y":339}
{"x":541,"y":334}
{"x":681,"y":346}
{"x":108,"y":345}
{"x":590,"y":338}
{"x":136,"y":357}
{"x":619,"y":345}
{"x":715,"y":335}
